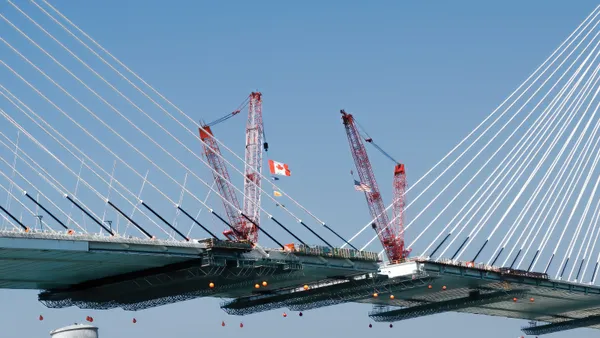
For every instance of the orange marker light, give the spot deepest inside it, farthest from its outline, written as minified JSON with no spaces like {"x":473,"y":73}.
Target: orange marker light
{"x":444,"y":287}
{"x":256,"y":286}
{"x":515,"y":299}
{"x":305,"y":287}
{"x":531,"y":299}
{"x":211,"y":285}
{"x":392,"y":297}
{"x":429,"y":286}
{"x":375,"y":295}
{"x":264,"y":283}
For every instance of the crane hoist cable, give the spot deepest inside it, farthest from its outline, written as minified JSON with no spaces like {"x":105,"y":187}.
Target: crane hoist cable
{"x":369,"y":139}
{"x":230,"y":115}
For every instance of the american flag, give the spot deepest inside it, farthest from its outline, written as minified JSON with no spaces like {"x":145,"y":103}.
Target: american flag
{"x":361,"y":186}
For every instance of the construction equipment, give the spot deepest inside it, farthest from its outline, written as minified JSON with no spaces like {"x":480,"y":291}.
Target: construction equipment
{"x":246,"y":228}
{"x":390,"y":234}
{"x":223,"y":183}
{"x":253,"y":169}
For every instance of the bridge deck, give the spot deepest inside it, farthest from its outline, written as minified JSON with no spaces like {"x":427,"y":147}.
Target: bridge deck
{"x":107,"y":272}
{"x":425,"y":288}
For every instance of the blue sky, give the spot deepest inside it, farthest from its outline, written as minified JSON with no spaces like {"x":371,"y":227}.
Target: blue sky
{"x":418,"y":75}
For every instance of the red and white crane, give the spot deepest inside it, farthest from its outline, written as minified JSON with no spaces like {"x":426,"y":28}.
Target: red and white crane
{"x":253,"y":169}
{"x":390,"y":234}
{"x":246,"y":228}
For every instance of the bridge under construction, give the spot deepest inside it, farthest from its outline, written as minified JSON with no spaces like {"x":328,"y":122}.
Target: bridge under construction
{"x":485,"y":240}
{"x":98,"y":272}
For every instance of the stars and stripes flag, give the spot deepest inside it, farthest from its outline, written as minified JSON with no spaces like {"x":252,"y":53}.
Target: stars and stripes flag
{"x":361,"y":186}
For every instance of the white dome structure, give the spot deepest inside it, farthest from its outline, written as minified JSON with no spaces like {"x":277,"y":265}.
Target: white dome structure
{"x":75,"y":331}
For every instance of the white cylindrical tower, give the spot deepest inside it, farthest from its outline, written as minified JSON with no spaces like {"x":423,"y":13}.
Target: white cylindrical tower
{"x":75,"y":331}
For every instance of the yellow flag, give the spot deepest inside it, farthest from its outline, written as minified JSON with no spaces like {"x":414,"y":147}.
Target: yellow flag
{"x":277,"y":193}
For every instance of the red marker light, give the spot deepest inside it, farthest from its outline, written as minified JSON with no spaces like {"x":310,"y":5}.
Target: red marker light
{"x":41,"y":317}
{"x":134,"y":320}
{"x":223,"y":323}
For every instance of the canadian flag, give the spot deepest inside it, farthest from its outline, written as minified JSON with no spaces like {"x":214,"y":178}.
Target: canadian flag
{"x":278,"y":168}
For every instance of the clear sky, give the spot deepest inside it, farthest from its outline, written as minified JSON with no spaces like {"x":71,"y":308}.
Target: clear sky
{"x":419,"y":75}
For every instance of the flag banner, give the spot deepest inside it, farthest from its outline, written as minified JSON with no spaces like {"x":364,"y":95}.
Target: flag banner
{"x":361,"y":186}
{"x":278,"y":168}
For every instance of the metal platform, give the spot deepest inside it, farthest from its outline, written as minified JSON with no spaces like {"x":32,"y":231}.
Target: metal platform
{"x":422,"y":288}
{"x":106,"y":272}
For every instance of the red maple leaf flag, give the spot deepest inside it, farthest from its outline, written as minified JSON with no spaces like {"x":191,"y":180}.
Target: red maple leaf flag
{"x":278,"y":168}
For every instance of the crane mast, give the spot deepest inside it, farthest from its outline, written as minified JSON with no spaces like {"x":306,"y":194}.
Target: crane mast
{"x":223,"y":183}
{"x":397,"y":225}
{"x":253,"y":168}
{"x":388,"y":235}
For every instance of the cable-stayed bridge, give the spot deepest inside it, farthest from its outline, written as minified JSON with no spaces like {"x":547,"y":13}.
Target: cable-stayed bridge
{"x":110,"y":203}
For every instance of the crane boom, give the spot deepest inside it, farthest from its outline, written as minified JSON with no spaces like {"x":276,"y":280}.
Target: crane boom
{"x":253,"y":168}
{"x":223,"y":183}
{"x":392,"y":243}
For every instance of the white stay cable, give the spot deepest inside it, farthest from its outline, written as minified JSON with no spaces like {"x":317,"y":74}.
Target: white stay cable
{"x":585,"y":211}
{"x":119,"y":135}
{"x":9,"y":221}
{"x":559,"y":178}
{"x":509,"y":157}
{"x":100,"y":143}
{"x":23,"y":191}
{"x":572,"y":188}
{"x":508,"y":98}
{"x":572,"y":180}
{"x":523,"y":187}
{"x":501,"y":129}
{"x":15,"y":165}
{"x":159,"y":125}
{"x":12,"y":100}
{"x":586,"y":239}
{"x":98,"y":194}
{"x":196,"y":135}
{"x":43,"y":173}
{"x":591,"y":251}
{"x":576,"y":102}
{"x":10,"y":193}
{"x":497,"y":177}
{"x":506,"y":188}
{"x":108,"y":149}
